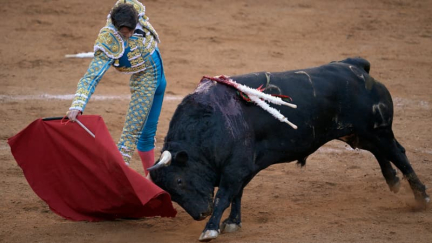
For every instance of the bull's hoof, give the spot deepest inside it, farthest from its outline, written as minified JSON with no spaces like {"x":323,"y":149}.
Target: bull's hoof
{"x":208,"y":235}
{"x":230,"y":227}
{"x":424,"y":201}
{"x":395,"y":187}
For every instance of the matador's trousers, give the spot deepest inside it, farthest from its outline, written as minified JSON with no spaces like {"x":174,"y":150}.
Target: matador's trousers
{"x":147,"y":92}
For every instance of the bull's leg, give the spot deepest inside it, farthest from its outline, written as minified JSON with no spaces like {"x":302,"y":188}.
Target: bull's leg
{"x":371,"y":144}
{"x":399,"y":159}
{"x":384,"y":146}
{"x":388,"y":172}
{"x":230,"y":191}
{"x":221,"y":202}
{"x":233,"y":222}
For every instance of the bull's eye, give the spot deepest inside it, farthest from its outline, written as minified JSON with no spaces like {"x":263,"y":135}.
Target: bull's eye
{"x":179,"y":181}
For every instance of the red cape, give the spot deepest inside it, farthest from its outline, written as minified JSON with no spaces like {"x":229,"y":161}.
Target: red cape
{"x":84,"y":178}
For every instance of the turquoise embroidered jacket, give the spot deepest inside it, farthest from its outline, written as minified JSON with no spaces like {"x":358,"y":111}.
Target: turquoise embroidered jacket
{"x":110,"y":49}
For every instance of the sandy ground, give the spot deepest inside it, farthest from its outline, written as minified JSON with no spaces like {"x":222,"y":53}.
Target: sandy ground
{"x":340,"y":196}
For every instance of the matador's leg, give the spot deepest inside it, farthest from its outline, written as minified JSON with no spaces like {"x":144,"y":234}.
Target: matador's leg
{"x":143,"y":87}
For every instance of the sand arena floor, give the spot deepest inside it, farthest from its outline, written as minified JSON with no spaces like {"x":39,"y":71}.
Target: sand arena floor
{"x":340,"y":196}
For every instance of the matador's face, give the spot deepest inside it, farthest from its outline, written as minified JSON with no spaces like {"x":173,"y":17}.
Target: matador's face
{"x":126,"y":32}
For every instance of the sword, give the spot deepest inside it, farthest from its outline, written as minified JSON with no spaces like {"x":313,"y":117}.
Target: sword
{"x":79,"y":123}
{"x":85,"y":128}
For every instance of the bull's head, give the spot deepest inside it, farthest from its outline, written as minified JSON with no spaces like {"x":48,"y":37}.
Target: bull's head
{"x":186,"y":182}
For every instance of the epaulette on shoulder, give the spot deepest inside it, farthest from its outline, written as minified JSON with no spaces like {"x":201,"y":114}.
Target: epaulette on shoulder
{"x":143,"y":20}
{"x":110,"y":42}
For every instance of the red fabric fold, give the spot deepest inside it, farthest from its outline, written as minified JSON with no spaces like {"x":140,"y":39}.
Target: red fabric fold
{"x":85,"y":178}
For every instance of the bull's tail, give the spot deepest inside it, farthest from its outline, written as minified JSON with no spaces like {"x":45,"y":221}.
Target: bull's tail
{"x":358,"y":62}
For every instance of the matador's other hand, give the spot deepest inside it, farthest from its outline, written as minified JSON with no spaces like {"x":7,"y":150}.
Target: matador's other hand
{"x":73,"y":114}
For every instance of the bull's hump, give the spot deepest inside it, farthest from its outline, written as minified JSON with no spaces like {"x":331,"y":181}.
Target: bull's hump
{"x":204,"y":86}
{"x":358,"y":62}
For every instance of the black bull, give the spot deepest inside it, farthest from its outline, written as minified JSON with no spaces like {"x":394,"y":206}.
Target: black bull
{"x":217,"y":139}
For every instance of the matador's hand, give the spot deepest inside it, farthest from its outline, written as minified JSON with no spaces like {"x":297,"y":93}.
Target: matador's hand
{"x":73,"y":114}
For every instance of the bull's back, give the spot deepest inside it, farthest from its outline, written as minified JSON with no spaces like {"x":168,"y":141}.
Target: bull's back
{"x":333,"y":100}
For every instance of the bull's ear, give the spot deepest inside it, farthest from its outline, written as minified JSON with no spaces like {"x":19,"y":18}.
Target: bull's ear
{"x":181,"y":157}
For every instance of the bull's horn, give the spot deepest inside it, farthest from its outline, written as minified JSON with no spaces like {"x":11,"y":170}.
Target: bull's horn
{"x":164,"y":161}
